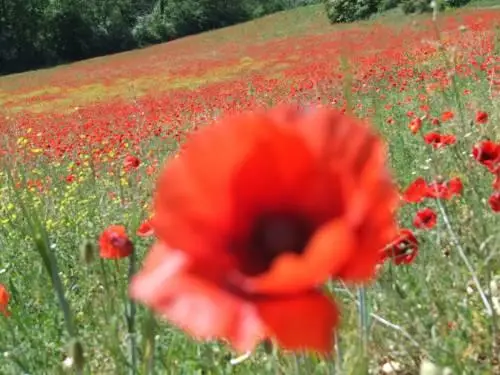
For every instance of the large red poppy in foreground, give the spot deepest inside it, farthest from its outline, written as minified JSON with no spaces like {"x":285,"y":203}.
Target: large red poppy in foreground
{"x":255,"y":215}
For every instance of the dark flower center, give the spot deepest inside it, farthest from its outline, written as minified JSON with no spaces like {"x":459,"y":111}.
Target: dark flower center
{"x":426,"y":218}
{"x":119,"y":242}
{"x":488,"y":155}
{"x":274,"y":234}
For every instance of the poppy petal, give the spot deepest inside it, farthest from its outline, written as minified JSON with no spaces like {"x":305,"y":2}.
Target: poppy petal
{"x":326,"y":253}
{"x":271,"y":176}
{"x":160,"y":266}
{"x":416,"y":191}
{"x":195,"y":304}
{"x":192,"y":206}
{"x":304,"y":321}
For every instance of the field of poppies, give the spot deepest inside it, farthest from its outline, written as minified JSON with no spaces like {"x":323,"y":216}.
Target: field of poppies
{"x":82,"y":147}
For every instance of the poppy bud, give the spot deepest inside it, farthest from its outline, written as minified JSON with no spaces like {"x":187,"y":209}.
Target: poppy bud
{"x":76,"y":353}
{"x":268,"y":346}
{"x":87,"y":251}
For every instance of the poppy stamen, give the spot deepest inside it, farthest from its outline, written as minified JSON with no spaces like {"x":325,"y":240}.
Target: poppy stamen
{"x":275,"y":234}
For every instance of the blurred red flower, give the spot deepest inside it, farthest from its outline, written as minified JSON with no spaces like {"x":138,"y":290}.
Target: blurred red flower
{"x":419,"y":190}
{"x":4,"y":300}
{"x":131,"y":162}
{"x":403,"y":249}
{"x":435,"y":121}
{"x":416,"y":192}
{"x":455,"y":186}
{"x":488,"y":154}
{"x":415,"y":125}
{"x":496,"y":181}
{"x":447,"y":116}
{"x":425,"y":219}
{"x":437,"y":140}
{"x":114,"y":243}
{"x":248,"y":234}
{"x":145,"y":229}
{"x":481,"y":117}
{"x":494,"y":201}
{"x":445,"y":190}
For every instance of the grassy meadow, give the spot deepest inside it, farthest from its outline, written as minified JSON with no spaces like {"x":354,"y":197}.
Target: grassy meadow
{"x":66,"y":132}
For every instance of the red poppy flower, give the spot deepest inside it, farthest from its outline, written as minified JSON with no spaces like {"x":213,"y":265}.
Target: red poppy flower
{"x":455,"y":186}
{"x":494,"y":201}
{"x":415,"y":125}
{"x":4,"y":300}
{"x":445,"y":190}
{"x":435,"y":121}
{"x":416,"y":192}
{"x":438,"y":190}
{"x":481,"y":117}
{"x":425,"y":219}
{"x":145,"y":229}
{"x":248,"y":234}
{"x":131,"y":162}
{"x":403,"y":249}
{"x":488,"y":154}
{"x":114,"y":243}
{"x":439,"y":140}
{"x":447,"y":116}
{"x":496,"y":181}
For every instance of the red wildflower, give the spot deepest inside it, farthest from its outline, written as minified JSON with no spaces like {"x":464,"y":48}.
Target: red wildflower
{"x":419,"y":189}
{"x":145,"y":229}
{"x":481,"y":117}
{"x":403,"y":249}
{"x":447,"y":116}
{"x":150,"y":170}
{"x":131,"y":162}
{"x":455,"y":186}
{"x":488,"y":154}
{"x":425,"y":219}
{"x":435,"y":121}
{"x":114,"y":243}
{"x":70,"y":178}
{"x":416,"y":192}
{"x":439,"y":140}
{"x":494,"y":201}
{"x":445,"y":190}
{"x":247,"y":234}
{"x":496,"y":181}
{"x":415,"y":125}
{"x":4,"y":300}
{"x":438,"y":190}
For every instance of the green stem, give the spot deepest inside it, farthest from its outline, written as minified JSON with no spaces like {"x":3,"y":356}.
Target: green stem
{"x":130,"y":316}
{"x":363,"y":318}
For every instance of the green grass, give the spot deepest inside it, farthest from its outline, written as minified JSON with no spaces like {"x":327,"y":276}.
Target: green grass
{"x":428,"y":310}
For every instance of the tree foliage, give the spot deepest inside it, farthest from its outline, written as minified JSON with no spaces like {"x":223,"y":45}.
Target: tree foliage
{"x":37,"y":33}
{"x":339,"y":11}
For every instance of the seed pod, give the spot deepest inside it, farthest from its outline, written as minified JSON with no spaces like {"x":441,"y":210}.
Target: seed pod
{"x":87,"y":252}
{"x":76,"y":353}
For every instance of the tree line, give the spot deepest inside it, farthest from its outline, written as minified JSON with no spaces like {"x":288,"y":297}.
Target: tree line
{"x":41,"y":33}
{"x":343,"y":11}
